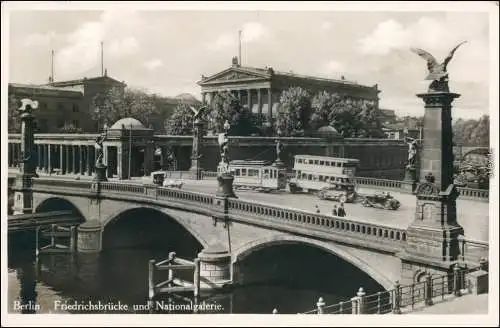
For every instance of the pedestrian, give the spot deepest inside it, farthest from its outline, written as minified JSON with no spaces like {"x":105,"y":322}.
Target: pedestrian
{"x":317,"y":209}
{"x":334,"y":211}
{"x":341,"y":211}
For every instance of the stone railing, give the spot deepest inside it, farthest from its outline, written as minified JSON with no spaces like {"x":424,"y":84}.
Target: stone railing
{"x":349,"y":230}
{"x":469,"y":193}
{"x":380,"y":183}
{"x":387,"y":238}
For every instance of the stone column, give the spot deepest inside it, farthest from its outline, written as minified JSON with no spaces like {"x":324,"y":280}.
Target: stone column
{"x":259,"y":101}
{"x":68,"y":159}
{"x":204,"y":98}
{"x":432,"y":238}
{"x":23,"y":196}
{"x":215,"y":263}
{"x":119,"y":162}
{"x":211,"y":97}
{"x":270,"y":104}
{"x":249,"y":100}
{"x":62,"y":162}
{"x":39,"y":155}
{"x":240,"y":95}
{"x":82,"y":171}
{"x":49,"y":158}
{"x":196,"y":150}
{"x":74,"y":153}
{"x":148,"y":158}
{"x":89,"y":160}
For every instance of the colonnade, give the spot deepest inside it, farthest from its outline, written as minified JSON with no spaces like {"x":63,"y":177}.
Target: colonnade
{"x":58,"y":158}
{"x":263,"y":96}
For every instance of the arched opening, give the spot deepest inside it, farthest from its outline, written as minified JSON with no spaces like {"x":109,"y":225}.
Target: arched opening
{"x":292,"y":276}
{"x":130,"y":240}
{"x":58,"y":204}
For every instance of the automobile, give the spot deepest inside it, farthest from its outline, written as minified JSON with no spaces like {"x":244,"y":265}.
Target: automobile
{"x":172,"y":183}
{"x":381,"y":200}
{"x":339,"y":192}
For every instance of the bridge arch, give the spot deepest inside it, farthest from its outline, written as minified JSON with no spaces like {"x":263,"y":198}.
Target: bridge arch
{"x":58,"y":204}
{"x":167,"y":222}
{"x":259,"y":244}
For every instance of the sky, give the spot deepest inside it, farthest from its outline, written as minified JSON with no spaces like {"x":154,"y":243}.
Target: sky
{"x":167,"y":51}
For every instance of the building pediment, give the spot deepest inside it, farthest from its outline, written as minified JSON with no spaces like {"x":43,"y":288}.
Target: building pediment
{"x":234,"y":74}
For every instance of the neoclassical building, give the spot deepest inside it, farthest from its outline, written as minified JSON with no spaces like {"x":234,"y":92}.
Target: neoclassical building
{"x":259,"y":89}
{"x":65,"y":102}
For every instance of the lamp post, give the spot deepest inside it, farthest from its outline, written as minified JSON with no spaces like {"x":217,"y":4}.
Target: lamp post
{"x":130,"y":152}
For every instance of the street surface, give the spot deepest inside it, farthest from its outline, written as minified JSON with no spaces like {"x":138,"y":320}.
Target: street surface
{"x":472,"y":215}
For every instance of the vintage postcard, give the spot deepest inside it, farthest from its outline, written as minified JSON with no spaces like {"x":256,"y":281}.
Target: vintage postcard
{"x":272,"y":163}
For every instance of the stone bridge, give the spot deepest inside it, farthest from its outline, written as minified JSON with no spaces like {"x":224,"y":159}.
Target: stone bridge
{"x":229,"y":229}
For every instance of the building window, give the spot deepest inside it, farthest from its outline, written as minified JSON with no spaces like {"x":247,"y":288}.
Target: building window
{"x":75,"y":108}
{"x":60,"y":107}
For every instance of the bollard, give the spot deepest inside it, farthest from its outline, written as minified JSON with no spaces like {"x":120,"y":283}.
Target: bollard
{"x":151,"y":283}
{"x":361,"y":300}
{"x":275,"y":311}
{"x":428,"y":289}
{"x":396,"y":299}
{"x":456,"y":280}
{"x":354,"y":305}
{"x":196,"y":280}
{"x":320,"y":305}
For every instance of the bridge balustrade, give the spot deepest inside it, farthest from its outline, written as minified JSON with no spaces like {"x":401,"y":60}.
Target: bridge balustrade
{"x":123,"y":187}
{"x":346,"y":226}
{"x":471,"y":250}
{"x":383,"y":183}
{"x":474,"y":193}
{"x":190,"y":196}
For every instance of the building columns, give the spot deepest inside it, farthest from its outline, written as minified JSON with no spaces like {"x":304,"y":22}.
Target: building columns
{"x":82,"y":171}
{"x":68,"y":162}
{"x":204,"y":98}
{"x":39,"y":153}
{"x":270,"y":104}
{"x":249,"y":100}
{"x":49,"y":159}
{"x":62,"y":163}
{"x":74,"y":153}
{"x":89,"y":153}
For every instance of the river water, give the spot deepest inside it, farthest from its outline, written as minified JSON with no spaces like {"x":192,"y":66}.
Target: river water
{"x":59,"y":283}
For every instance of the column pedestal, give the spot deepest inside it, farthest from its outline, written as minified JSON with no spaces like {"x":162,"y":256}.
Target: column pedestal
{"x":90,"y":237}
{"x":215,"y":263}
{"x":410,"y":179}
{"x":225,"y":186}
{"x":100,"y":172}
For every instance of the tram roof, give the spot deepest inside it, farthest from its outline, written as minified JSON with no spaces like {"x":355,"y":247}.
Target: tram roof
{"x":327,"y":158}
{"x":249,"y":163}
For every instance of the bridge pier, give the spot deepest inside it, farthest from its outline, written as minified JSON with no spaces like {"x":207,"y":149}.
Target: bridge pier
{"x":90,"y":237}
{"x":215,"y":267}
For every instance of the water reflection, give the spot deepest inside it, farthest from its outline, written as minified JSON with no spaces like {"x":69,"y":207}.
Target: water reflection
{"x":59,"y":283}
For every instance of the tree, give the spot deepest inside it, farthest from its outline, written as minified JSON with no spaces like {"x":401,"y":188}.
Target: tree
{"x":14,"y":120}
{"x":181,"y":121}
{"x":115,"y":103}
{"x":227,"y":107}
{"x":70,"y":128}
{"x":351,"y":118}
{"x":472,"y":132}
{"x":295,"y":112}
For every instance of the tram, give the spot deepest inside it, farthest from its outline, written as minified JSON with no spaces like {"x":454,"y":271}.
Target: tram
{"x":257,"y":175}
{"x":315,"y":173}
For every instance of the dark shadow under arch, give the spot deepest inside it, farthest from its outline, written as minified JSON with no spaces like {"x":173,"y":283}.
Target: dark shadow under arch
{"x":150,"y":228}
{"x":58,"y":204}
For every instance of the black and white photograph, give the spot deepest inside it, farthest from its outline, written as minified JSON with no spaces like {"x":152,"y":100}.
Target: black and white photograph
{"x":249,"y":163}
